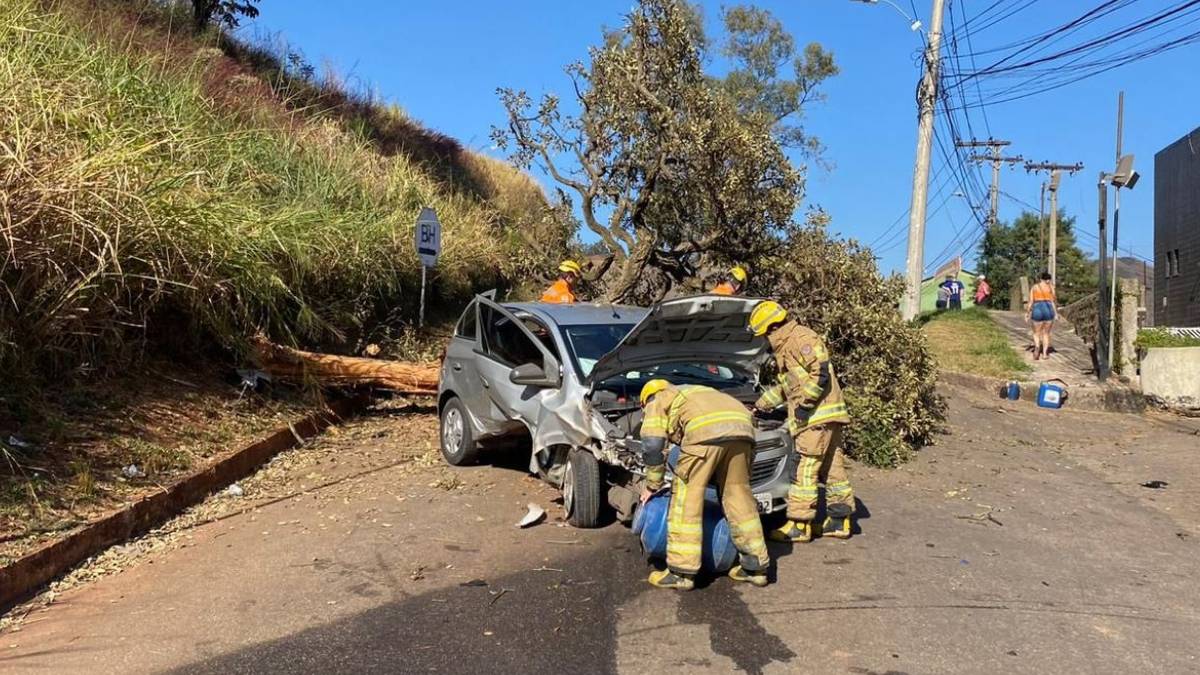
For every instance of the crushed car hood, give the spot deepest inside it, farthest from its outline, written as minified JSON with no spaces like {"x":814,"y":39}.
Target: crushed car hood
{"x":701,"y":328}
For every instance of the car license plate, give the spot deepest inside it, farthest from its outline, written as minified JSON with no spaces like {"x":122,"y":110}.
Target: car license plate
{"x":764,"y":501}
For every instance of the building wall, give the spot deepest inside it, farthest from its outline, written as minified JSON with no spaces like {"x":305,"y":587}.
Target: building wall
{"x":1177,"y":231}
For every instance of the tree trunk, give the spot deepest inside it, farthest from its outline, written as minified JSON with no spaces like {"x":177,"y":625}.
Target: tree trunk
{"x":629,"y":274}
{"x":342,"y":371}
{"x":202,"y":13}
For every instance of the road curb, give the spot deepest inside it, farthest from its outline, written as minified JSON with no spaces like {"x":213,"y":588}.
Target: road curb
{"x":1114,"y":399}
{"x":20,"y":579}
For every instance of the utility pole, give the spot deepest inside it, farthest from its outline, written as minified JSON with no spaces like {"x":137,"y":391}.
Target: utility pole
{"x":926,"y":104}
{"x":997,"y":160}
{"x":1103,"y":337}
{"x":1042,"y":227}
{"x":1055,"y":175}
{"x":1112,"y":296}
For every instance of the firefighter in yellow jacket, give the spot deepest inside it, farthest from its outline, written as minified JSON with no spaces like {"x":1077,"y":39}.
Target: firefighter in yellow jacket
{"x":816,"y":417}
{"x":715,"y":433}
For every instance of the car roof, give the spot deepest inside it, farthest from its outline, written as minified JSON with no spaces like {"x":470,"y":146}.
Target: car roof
{"x":580,"y":313}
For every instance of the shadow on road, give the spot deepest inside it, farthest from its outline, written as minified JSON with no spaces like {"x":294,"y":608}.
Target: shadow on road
{"x":535,"y":621}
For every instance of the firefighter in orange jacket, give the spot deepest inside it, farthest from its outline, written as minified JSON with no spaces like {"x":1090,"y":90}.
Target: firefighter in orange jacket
{"x":733,"y":283}
{"x":716,"y":435}
{"x":563,"y":289}
{"x":816,"y":417}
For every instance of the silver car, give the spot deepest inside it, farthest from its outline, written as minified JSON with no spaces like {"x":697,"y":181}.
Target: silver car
{"x":563,"y":381}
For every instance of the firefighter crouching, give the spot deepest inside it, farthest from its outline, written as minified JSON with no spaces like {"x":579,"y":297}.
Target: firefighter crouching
{"x":716,"y":435}
{"x":816,"y":418}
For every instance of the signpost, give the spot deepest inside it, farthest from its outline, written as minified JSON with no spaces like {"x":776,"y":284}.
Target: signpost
{"x":427,"y":237}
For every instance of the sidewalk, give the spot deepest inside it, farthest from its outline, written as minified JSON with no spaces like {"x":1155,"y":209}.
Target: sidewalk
{"x":1070,"y":360}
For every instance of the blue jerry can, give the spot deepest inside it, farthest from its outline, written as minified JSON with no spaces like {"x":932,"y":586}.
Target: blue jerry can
{"x":1052,"y":395}
{"x":650,"y":522}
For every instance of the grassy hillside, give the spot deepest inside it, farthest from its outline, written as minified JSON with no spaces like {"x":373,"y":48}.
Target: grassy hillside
{"x":969,"y":341}
{"x":155,"y":191}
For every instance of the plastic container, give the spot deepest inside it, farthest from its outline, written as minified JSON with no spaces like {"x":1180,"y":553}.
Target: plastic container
{"x":650,"y":523}
{"x":1052,"y":394}
{"x":1011,"y":391}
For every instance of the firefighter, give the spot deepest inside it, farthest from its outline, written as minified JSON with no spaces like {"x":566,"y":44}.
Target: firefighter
{"x":816,"y":418}
{"x":716,"y":435}
{"x":733,"y":283}
{"x":563,"y":289}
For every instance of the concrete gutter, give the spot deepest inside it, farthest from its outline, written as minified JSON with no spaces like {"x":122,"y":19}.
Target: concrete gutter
{"x":20,"y":579}
{"x":1099,"y":398}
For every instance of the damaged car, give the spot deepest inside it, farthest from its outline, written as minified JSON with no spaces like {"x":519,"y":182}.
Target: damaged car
{"x":563,"y":381}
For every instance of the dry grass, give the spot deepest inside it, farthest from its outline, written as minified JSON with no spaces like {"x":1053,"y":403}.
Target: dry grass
{"x":969,"y":341}
{"x":155,"y":185}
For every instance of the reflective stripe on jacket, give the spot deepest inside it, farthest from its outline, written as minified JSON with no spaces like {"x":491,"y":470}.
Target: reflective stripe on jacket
{"x":806,"y":381}
{"x":696,"y":415}
{"x":559,"y":292}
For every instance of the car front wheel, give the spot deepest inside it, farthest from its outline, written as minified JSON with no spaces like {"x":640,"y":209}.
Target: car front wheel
{"x":458,"y":444}
{"x":581,"y":489}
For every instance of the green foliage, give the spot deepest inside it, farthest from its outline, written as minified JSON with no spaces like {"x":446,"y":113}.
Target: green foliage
{"x":1149,"y":338}
{"x":668,"y":163}
{"x":969,"y":341}
{"x":760,"y":48}
{"x":226,"y":13}
{"x":885,"y":366}
{"x":1009,"y":251}
{"x":169,"y":194}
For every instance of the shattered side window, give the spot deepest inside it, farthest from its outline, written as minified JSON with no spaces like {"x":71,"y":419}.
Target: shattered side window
{"x":504,"y":341}
{"x":468,"y":324}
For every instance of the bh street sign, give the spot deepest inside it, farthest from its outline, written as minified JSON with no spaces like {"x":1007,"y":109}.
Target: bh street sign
{"x":428,"y":237}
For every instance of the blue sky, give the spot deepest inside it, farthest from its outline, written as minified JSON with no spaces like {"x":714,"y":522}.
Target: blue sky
{"x":442,"y":62}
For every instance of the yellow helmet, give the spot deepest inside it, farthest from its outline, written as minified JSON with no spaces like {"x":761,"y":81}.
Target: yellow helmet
{"x":738,"y":272}
{"x":651,"y":388}
{"x":765,"y":314}
{"x":570,"y":266}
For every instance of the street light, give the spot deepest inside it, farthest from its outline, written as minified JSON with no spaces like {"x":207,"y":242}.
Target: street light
{"x":1123,"y":177}
{"x":914,"y":24}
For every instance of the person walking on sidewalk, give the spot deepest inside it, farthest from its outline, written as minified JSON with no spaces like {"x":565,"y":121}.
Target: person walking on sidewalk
{"x":983,"y":291}
{"x":1043,"y":308}
{"x":816,"y":418}
{"x":715,"y":433}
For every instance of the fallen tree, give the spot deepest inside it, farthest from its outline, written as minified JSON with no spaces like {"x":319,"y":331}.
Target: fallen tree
{"x":285,"y":363}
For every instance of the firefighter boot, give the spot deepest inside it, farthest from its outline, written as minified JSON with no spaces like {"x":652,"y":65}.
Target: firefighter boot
{"x":669,"y":579}
{"x":755,"y":577}
{"x":794,"y":531}
{"x":837,"y":523}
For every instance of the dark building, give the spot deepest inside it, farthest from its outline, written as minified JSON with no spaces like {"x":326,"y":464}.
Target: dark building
{"x":1177,"y":233}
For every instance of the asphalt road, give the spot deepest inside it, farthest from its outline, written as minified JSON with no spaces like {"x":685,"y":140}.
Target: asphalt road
{"x":1022,"y":542}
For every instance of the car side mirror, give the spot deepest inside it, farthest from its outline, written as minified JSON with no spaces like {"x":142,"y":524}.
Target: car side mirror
{"x":533,"y":375}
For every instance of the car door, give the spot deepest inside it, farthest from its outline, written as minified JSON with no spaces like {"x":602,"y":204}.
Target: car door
{"x":460,"y":372}
{"x":504,"y":344}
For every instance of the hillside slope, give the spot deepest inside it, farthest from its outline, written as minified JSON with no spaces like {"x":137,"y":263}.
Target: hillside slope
{"x":155,"y":191}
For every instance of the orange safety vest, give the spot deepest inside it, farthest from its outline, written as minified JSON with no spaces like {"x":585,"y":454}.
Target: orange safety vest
{"x":723,"y":288}
{"x":559,"y":292}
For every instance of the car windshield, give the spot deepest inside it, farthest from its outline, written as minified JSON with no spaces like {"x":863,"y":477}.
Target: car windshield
{"x":679,"y":372}
{"x":589,"y":342}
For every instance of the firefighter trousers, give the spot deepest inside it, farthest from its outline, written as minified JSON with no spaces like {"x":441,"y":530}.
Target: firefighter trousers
{"x":727,"y":466}
{"x":821,"y":461}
